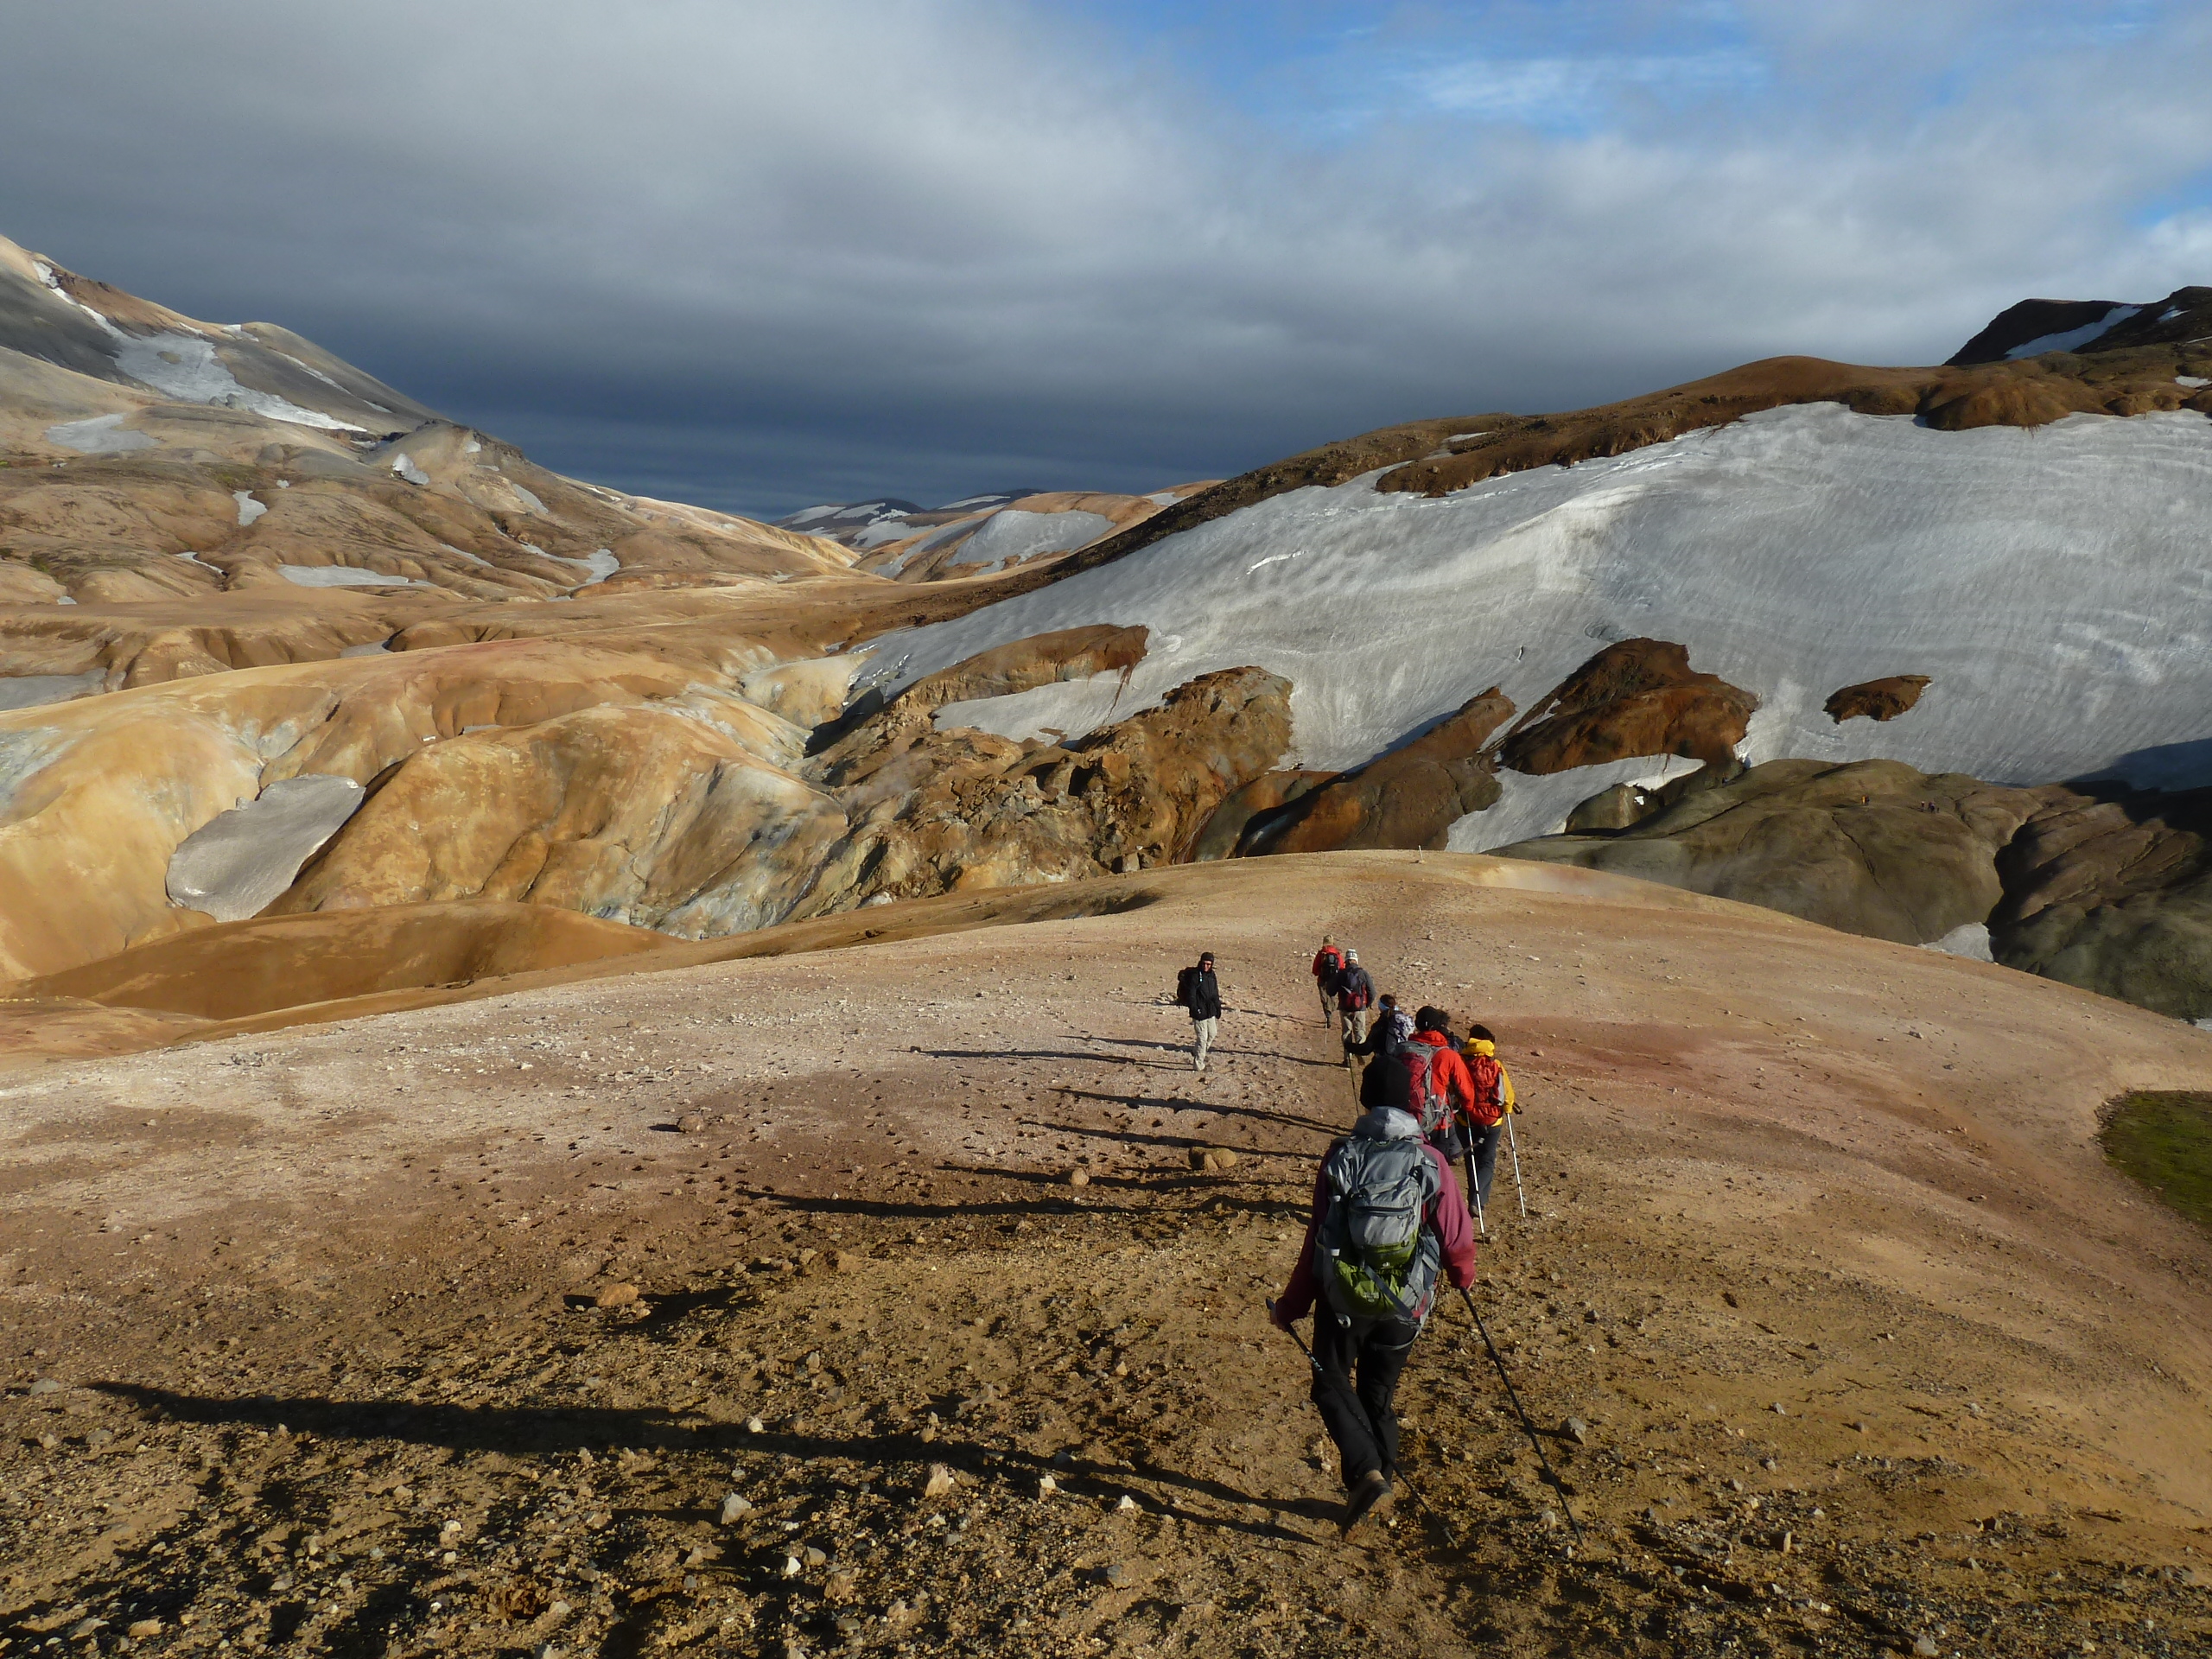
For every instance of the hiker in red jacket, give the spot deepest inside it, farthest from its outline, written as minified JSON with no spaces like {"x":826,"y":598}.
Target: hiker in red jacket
{"x":1388,"y":1217}
{"x":1328,"y":962}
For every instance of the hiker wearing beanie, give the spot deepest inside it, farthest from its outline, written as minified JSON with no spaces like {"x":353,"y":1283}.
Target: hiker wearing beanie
{"x":1199,"y":993}
{"x":1387,"y":1218}
{"x":1328,"y":962}
{"x":1485,"y":1120}
{"x":1394,"y":1029}
{"x":1355,"y":1001}
{"x":1424,"y":1074}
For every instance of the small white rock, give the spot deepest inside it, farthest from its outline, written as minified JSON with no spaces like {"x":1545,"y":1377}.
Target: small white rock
{"x":734,"y":1506}
{"x":1046,"y":1486}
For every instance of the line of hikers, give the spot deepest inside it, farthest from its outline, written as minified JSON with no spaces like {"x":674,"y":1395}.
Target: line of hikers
{"x":1389,"y":1216}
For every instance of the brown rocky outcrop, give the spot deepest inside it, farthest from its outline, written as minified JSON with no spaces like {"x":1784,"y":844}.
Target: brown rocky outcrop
{"x":1407,"y":798}
{"x":1024,"y":665}
{"x":1873,"y":846}
{"x":1637,"y":697}
{"x":1225,"y":830}
{"x":874,"y":721}
{"x":944,"y":811}
{"x":2112,"y":892}
{"x":2033,"y":391}
{"x":1883,"y":699}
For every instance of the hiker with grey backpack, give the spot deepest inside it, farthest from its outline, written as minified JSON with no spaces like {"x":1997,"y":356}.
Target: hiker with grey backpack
{"x":1388,"y":1219}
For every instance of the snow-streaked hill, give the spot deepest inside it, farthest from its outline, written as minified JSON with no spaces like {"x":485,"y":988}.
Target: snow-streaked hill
{"x":2055,"y":582}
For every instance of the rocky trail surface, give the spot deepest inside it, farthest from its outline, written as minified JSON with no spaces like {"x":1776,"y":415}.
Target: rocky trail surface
{"x":901,"y":1299}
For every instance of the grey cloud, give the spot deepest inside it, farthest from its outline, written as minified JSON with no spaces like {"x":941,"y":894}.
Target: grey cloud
{"x":765,"y":255}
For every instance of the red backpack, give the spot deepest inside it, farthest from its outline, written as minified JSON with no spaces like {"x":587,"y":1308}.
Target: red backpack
{"x":1490,"y":1094}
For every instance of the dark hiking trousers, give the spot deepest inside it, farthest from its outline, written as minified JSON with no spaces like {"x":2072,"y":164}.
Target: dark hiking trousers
{"x":1360,"y":1361}
{"x":1482,"y":1156}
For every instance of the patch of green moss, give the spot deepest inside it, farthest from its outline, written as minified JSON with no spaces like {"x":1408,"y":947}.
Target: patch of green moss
{"x":2165,"y":1140}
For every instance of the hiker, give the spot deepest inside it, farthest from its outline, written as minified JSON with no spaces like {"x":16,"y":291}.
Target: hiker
{"x":1420,"y":1073}
{"x":1354,"y":995}
{"x":1485,"y":1121}
{"x":1393,"y":1026}
{"x":1198,"y":993}
{"x":1328,"y":962}
{"x":1387,"y":1215}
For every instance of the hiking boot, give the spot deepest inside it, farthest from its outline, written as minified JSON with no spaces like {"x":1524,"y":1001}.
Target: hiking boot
{"x":1370,"y":1493}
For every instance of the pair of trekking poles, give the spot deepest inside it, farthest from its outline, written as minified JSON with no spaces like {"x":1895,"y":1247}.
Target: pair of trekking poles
{"x":1475,"y":1188}
{"x":1551,"y":1475}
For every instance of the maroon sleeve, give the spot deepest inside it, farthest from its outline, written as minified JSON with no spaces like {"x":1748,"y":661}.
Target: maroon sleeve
{"x":1297,"y":1298}
{"x":1448,"y":1214}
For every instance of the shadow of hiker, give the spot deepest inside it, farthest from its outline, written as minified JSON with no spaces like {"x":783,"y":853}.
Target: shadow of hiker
{"x":1142,"y":1104}
{"x":553,"y":1430}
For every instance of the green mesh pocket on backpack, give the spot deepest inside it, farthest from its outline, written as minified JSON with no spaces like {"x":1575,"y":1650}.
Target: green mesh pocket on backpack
{"x":1377,"y":1288}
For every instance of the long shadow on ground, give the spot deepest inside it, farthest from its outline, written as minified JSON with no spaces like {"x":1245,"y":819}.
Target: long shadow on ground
{"x":552,"y":1430}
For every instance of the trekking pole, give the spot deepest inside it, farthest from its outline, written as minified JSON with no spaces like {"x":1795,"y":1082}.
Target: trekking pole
{"x":1513,"y":1144}
{"x":1550,"y":1474}
{"x":1441,"y":1522}
{"x":1475,"y":1193}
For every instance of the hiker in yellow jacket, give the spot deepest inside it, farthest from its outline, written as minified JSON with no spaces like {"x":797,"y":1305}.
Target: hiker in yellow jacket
{"x":1485,"y":1119}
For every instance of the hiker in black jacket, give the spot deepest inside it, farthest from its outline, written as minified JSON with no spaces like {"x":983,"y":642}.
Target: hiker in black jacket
{"x":1354,"y":1001}
{"x":1199,"y":993}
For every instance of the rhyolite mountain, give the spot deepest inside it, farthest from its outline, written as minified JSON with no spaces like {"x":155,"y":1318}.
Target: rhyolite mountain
{"x":1914,"y":653}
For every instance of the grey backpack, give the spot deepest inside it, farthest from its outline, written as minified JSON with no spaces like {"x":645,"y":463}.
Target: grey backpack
{"x":1376,"y":1259}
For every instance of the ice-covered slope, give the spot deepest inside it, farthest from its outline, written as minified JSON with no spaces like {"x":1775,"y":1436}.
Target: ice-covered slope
{"x":2055,"y":583}
{"x":52,"y":314}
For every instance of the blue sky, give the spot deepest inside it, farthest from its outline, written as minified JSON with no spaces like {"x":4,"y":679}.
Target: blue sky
{"x":763,"y":254}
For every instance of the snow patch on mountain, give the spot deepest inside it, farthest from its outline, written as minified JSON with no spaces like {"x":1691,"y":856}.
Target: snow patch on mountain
{"x":1011,"y":534}
{"x":2073,"y":339}
{"x":2052,"y":582}
{"x":342,"y":575}
{"x":99,"y":435}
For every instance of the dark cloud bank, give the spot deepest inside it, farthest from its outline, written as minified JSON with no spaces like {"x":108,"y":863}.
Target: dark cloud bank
{"x":759,"y":256}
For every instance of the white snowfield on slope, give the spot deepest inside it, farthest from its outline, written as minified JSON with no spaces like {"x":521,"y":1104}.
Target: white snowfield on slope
{"x":2055,"y":583}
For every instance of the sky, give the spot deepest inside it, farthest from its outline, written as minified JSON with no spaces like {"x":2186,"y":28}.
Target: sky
{"x":761,"y":255}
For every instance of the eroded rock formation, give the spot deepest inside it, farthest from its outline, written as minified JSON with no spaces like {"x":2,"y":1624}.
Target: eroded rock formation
{"x":1883,"y":699}
{"x":1637,"y":697}
{"x":936,"y":811}
{"x":1407,"y":797}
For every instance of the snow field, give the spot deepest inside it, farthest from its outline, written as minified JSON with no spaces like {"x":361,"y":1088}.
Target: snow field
{"x":2055,"y":583}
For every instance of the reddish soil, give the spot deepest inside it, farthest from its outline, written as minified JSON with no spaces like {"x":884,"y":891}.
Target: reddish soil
{"x":321,"y":1339}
